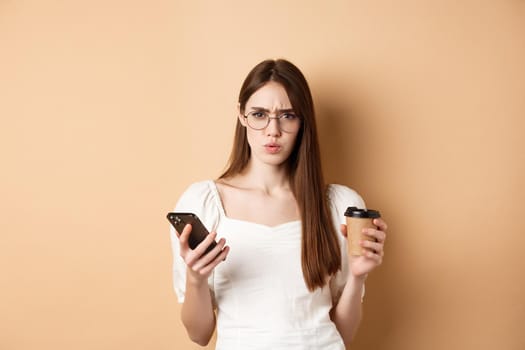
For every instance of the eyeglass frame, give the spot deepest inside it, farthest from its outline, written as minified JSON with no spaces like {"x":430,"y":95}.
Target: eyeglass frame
{"x":270,"y":118}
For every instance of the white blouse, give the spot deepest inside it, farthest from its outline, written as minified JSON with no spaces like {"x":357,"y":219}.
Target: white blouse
{"x":261,"y":298}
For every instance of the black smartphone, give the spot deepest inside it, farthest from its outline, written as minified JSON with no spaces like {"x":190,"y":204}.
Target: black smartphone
{"x":198,"y":230}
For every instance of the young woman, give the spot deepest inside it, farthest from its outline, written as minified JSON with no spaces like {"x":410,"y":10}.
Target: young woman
{"x":284,"y":281}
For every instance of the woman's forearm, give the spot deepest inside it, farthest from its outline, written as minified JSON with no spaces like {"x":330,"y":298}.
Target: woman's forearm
{"x":197,"y":312}
{"x":347,"y":313}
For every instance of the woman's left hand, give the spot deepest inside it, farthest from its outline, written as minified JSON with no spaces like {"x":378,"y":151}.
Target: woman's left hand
{"x":373,"y":251}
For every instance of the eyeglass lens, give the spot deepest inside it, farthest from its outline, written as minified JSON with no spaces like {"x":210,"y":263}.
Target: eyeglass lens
{"x":259,"y":120}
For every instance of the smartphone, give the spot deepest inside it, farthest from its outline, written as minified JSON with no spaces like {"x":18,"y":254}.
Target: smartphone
{"x":198,"y":230}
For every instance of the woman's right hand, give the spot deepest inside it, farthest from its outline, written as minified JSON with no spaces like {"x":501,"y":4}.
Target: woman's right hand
{"x":201,"y":265}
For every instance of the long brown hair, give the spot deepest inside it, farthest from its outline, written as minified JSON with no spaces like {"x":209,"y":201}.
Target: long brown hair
{"x":320,"y":250}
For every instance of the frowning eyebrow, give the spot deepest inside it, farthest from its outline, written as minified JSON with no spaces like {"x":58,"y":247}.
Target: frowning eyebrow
{"x":280,"y":111}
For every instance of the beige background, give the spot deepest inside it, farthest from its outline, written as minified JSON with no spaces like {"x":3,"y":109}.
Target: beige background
{"x":109,"y":109}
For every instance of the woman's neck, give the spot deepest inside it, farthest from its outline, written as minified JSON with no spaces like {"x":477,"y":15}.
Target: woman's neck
{"x":264,"y":177}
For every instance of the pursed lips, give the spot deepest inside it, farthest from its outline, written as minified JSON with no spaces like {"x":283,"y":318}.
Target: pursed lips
{"x":272,"y":147}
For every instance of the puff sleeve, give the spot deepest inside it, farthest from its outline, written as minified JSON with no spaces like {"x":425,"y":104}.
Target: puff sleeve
{"x":340,"y":197}
{"x":200,"y":200}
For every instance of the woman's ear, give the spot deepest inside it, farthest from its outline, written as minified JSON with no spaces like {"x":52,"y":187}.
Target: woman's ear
{"x":240,"y":116}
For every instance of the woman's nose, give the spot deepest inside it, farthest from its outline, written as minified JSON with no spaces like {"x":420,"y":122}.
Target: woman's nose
{"x":273,"y":127}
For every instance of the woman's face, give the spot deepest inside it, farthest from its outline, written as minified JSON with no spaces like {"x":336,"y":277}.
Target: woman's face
{"x":270,"y":145}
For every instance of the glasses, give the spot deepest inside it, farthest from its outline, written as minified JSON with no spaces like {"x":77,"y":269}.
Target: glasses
{"x":258,"y":120}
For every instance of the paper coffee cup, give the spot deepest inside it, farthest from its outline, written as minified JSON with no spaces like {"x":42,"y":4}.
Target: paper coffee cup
{"x":356,"y":220}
